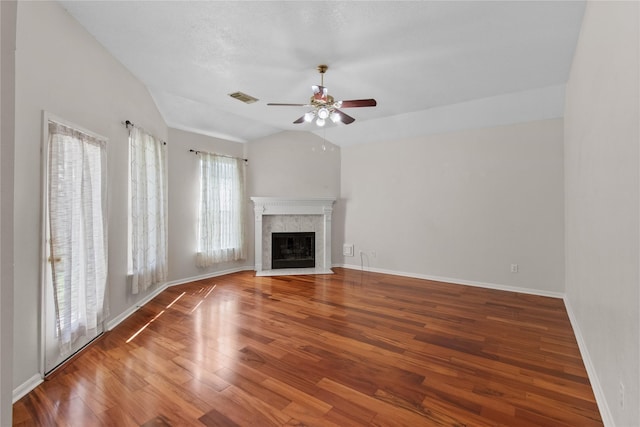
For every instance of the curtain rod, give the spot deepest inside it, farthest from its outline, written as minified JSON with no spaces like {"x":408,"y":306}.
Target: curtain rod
{"x":217,"y":154}
{"x":128,"y":123}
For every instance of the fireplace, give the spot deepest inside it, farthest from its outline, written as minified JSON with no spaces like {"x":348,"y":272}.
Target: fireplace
{"x":293,"y":250}
{"x":292,"y":215}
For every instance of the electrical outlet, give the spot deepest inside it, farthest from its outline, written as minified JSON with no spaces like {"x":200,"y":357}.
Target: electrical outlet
{"x":514,"y":268}
{"x":621,"y":395}
{"x":373,"y":254}
{"x":347,"y":249}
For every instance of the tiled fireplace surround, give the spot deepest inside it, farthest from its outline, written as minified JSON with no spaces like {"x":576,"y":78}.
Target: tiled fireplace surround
{"x":278,"y":214}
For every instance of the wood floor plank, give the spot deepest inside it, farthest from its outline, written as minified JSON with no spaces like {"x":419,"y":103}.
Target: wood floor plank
{"x":115,"y":417}
{"x":254,"y":388}
{"x":349,"y":349}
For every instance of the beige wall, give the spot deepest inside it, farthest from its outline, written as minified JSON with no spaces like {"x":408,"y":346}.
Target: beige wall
{"x":461,"y":206}
{"x":184,"y":186}
{"x":286,"y":164}
{"x":60,"y":68}
{"x":7,"y":147}
{"x":602,"y":122}
{"x":294,"y":164}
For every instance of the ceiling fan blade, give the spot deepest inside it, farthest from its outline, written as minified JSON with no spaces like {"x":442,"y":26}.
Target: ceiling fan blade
{"x":287,"y":105}
{"x":300,"y":120}
{"x":358,"y":103}
{"x":344,"y":118}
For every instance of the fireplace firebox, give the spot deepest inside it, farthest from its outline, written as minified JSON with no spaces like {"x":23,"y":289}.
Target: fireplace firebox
{"x":293,"y":250}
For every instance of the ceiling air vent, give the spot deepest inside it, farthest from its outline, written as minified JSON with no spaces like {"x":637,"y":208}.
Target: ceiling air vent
{"x":247,"y":99}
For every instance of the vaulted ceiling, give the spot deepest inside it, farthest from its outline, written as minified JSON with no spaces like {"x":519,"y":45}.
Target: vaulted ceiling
{"x":421,"y":60}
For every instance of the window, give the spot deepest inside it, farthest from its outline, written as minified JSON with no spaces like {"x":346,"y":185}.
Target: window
{"x":221,"y":212}
{"x":147,"y":210}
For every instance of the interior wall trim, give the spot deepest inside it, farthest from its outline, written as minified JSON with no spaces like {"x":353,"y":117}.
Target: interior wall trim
{"x":210,"y":275}
{"x":607,"y":418}
{"x":456,"y":281}
{"x":33,"y":382}
{"x":121,"y":317}
{"x":24,"y":388}
{"x":598,"y":392}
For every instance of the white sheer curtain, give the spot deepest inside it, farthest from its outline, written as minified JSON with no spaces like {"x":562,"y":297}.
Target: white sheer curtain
{"x":77,"y":207}
{"x":148,"y":210}
{"x":221,"y":215}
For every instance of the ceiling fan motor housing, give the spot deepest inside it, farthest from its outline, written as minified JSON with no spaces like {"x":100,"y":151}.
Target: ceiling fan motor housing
{"x":319,"y":100}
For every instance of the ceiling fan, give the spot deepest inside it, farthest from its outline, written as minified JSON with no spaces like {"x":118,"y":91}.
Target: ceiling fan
{"x":325,"y":107}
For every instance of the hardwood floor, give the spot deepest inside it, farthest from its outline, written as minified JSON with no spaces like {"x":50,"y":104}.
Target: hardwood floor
{"x":353,"y":348}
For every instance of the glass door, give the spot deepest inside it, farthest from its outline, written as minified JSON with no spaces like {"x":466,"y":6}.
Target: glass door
{"x":75,"y":240}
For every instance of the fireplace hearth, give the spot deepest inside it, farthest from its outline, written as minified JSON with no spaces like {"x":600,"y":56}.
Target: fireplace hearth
{"x":293,"y":250}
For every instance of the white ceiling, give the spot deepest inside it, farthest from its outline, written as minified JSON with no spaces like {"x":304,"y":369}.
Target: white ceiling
{"x":423,"y":61}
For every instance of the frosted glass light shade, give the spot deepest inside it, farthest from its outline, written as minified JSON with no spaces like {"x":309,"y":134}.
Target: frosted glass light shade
{"x":323,"y":113}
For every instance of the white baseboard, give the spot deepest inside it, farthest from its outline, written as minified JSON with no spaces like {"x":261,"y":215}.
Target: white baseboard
{"x":607,"y":418}
{"x":210,"y":275}
{"x":24,"y":388}
{"x":457,"y":281}
{"x":121,"y":317}
{"x":605,"y":413}
{"x":112,"y":323}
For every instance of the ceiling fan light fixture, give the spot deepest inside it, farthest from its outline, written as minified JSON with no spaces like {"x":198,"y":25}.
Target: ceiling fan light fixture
{"x":324,"y":107}
{"x":323,"y":113}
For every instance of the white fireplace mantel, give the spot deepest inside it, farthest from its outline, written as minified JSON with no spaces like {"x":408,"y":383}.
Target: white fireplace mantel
{"x":289,"y":206}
